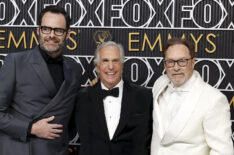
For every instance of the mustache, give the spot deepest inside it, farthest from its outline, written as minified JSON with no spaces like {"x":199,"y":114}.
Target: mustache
{"x":175,"y":73}
{"x":52,"y":38}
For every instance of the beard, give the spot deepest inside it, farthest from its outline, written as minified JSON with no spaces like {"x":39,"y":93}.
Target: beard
{"x":177,"y":82}
{"x":50,"y":50}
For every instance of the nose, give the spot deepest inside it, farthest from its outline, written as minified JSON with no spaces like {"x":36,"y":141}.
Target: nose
{"x":110,"y":65}
{"x":52,"y":34}
{"x":176,"y":67}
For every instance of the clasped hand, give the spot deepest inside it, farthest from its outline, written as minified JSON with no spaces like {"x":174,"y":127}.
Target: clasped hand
{"x":43,"y":129}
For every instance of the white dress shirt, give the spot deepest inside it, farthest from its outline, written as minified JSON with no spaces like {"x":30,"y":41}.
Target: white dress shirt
{"x":112,"y":109}
{"x":171,"y":100}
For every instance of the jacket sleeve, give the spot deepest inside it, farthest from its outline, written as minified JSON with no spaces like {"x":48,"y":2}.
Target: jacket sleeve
{"x":9,"y":124}
{"x":217,"y":127}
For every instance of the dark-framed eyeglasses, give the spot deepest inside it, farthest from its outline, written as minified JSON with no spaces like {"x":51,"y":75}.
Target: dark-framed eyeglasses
{"x":57,"y":31}
{"x":181,"y":62}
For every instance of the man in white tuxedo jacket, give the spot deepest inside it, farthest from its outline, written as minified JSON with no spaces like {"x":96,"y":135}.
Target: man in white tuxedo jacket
{"x":189,"y":116}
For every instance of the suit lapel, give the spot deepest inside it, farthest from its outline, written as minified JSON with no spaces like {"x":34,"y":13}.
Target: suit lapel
{"x":54,"y":101}
{"x":67,"y":70}
{"x":126,"y":108}
{"x":99,"y":108}
{"x":127,"y":100}
{"x":42,"y":71}
{"x":158,"y":88}
{"x":185,"y":111}
{"x":62,"y":90}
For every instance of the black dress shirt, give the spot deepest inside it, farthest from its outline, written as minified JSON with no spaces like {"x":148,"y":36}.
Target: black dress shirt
{"x":55,"y":66}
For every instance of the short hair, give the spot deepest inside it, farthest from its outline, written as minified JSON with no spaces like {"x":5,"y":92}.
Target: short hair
{"x":105,"y":44}
{"x":176,"y":41}
{"x":57,"y":10}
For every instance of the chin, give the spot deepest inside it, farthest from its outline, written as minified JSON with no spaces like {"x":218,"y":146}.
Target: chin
{"x":111,"y":83}
{"x":178,"y":83}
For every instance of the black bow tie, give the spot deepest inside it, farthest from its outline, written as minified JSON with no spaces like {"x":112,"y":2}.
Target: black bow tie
{"x":113,"y":92}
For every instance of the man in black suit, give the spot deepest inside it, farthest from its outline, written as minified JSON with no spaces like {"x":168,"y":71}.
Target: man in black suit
{"x":114,"y":116}
{"x":38,"y":89}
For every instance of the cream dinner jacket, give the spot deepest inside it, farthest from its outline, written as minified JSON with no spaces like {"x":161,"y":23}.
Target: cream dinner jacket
{"x":202,"y":125}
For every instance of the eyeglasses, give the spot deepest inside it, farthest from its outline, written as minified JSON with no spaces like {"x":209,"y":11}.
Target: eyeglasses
{"x":181,"y":62}
{"x":57,"y":31}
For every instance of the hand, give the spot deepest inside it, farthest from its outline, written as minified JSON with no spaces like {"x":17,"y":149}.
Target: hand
{"x":43,"y":129}
{"x":93,"y":82}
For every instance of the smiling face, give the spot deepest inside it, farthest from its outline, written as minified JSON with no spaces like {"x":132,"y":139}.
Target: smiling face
{"x":110,"y":66}
{"x":51,"y":43}
{"x":179,"y":75}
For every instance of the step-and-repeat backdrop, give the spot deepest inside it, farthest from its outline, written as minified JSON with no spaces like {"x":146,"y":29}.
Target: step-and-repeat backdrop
{"x":142,"y":26}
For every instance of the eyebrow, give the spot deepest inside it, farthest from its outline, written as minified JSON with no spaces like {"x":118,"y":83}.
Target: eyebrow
{"x":177,"y":59}
{"x":106,"y":59}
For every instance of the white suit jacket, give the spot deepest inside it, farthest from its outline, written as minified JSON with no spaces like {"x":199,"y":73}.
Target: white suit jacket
{"x":202,"y":125}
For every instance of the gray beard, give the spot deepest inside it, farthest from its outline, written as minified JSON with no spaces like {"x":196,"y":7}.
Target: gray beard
{"x":44,"y":48}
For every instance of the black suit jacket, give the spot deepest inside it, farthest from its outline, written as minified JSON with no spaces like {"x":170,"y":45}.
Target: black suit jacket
{"x":26,"y":95}
{"x":133,"y":132}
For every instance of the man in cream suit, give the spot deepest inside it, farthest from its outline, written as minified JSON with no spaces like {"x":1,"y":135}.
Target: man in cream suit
{"x":189,"y":116}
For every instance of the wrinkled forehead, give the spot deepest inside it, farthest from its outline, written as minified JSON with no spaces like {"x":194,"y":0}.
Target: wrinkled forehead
{"x":109,"y":51}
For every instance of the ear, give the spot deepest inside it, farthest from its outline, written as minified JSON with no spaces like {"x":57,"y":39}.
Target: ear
{"x":68,"y":33}
{"x":97,"y":68}
{"x":38,"y":30}
{"x":164,"y":64}
{"x":193,"y":61}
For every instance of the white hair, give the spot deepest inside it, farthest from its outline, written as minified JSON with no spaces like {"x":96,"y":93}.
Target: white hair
{"x":105,"y":44}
